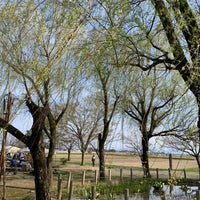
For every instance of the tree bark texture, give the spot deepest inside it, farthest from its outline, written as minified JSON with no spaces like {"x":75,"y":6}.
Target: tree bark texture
{"x":68,"y":154}
{"x":145,"y":157}
{"x":41,"y":162}
{"x":190,"y":72}
{"x":102,"y":173}
{"x":102,"y":164}
{"x":42,"y":173}
{"x":83,"y":157}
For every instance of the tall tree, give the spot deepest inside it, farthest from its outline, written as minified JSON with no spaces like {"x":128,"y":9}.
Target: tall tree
{"x":103,"y":83}
{"x":156,"y":33}
{"x":37,"y":41}
{"x":152,"y":105}
{"x":170,"y":36}
{"x":109,"y":106}
{"x":83,"y":124}
{"x":147,"y":34}
{"x":102,"y":72}
{"x":186,"y":27}
{"x":69,"y":144}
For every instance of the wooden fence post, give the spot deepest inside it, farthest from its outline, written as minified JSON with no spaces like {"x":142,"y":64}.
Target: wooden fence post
{"x":93,"y":192}
{"x":109,"y":175}
{"x":59,"y":188}
{"x":69,"y":181}
{"x":126,"y":194}
{"x":169,"y":171}
{"x":184,"y":172}
{"x":70,"y":190}
{"x":198,"y":195}
{"x":170,"y":161}
{"x":171,"y":188}
{"x":121,"y":174}
{"x":144,"y":172}
{"x":83,"y":178}
{"x":157,"y":173}
{"x":15,"y":170}
{"x":131,"y":173}
{"x":51,"y":177}
{"x":95,"y":176}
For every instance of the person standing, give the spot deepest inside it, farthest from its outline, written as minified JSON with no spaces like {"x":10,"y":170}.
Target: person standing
{"x":93,"y":160}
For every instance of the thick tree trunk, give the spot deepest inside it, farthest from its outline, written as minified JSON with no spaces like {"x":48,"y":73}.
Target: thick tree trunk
{"x":190,"y":30}
{"x":41,"y":162}
{"x":145,"y":157}
{"x":42,"y":174}
{"x":42,"y":167}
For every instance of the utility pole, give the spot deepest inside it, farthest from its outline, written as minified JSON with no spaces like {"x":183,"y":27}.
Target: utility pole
{"x":7,"y":104}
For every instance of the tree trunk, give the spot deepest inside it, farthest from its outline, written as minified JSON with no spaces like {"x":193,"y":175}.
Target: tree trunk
{"x":41,"y":162}
{"x":68,"y":154}
{"x":198,"y":162}
{"x":42,"y":168}
{"x":145,"y":157}
{"x":82,"y":157}
{"x":102,"y":172}
{"x":198,"y":126}
{"x":198,"y":123}
{"x":191,"y":34}
{"x":42,"y":174}
{"x":102,"y":165}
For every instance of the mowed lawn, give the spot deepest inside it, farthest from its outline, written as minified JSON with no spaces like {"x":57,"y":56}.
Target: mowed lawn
{"x":118,"y":159}
{"x":21,"y":185}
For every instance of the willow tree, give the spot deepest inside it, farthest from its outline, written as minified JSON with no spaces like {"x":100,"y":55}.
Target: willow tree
{"x":102,"y":74}
{"x":155,"y":33}
{"x":108,"y":107}
{"x":37,"y":42}
{"x":155,"y":107}
{"x":168,"y":37}
{"x":106,"y":97}
{"x":83,"y":124}
{"x":102,"y":77}
{"x":170,"y":30}
{"x":181,"y":24}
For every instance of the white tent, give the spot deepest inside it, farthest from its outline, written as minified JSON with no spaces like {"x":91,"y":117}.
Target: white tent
{"x":12,"y":149}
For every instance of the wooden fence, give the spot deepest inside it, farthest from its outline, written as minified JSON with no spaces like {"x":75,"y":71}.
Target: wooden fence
{"x":127,"y":174}
{"x":123,"y":174}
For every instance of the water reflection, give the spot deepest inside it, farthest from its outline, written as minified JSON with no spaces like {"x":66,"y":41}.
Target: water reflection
{"x":167,"y":193}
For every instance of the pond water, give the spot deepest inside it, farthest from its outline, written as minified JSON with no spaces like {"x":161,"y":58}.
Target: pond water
{"x":167,"y":193}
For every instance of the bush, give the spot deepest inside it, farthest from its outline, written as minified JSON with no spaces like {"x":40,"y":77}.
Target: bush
{"x":63,"y":161}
